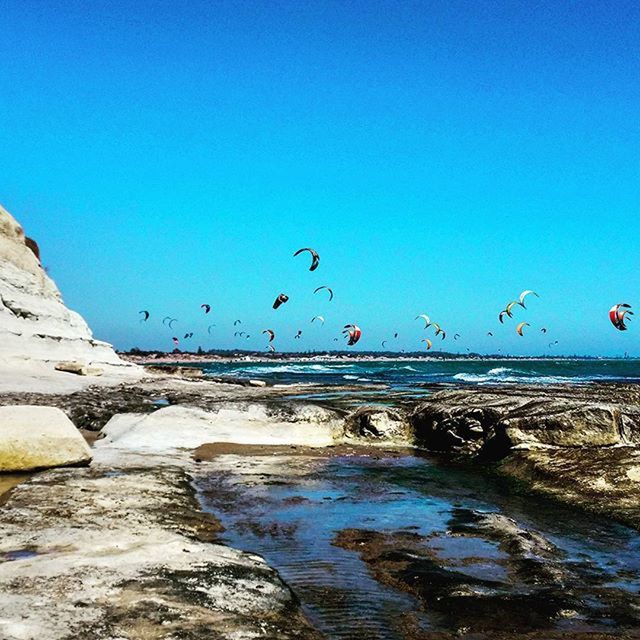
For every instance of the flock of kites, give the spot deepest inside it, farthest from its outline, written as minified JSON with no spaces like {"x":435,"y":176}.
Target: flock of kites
{"x":619,"y":315}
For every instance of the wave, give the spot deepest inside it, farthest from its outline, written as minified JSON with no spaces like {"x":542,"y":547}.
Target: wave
{"x":289,"y":368}
{"x":489,"y":378}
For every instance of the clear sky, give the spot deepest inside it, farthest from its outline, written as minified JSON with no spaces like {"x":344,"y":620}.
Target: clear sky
{"x":440,"y":156}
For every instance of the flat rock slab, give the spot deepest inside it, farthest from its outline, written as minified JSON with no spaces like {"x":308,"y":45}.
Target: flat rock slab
{"x":124,"y":554}
{"x":33,"y":437}
{"x":178,"y":427}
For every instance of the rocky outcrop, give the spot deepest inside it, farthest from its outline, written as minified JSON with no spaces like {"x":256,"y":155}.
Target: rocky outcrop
{"x":39,"y":437}
{"x":577,"y":444}
{"x":491,"y":423}
{"x":35,"y":325}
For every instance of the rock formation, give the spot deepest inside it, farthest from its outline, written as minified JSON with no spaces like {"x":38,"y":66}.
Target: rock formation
{"x":36,"y":328}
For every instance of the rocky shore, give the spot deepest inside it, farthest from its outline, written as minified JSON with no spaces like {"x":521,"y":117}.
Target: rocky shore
{"x":125,"y":543}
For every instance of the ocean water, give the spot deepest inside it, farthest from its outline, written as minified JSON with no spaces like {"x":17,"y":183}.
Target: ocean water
{"x":416,"y":373}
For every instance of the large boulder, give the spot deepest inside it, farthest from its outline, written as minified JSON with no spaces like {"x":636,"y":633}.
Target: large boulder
{"x":35,"y":325}
{"x":34,"y":437}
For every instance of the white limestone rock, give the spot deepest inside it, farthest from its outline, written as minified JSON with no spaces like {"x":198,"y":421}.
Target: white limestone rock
{"x":33,"y":437}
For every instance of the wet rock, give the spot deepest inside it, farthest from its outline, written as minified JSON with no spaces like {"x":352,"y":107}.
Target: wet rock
{"x":378,"y":423}
{"x":461,"y":602}
{"x":91,"y":408}
{"x":39,"y":437}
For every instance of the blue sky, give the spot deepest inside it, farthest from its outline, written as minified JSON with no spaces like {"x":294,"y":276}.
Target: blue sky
{"x":441,"y":157}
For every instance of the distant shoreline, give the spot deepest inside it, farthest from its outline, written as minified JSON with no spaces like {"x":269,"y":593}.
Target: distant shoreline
{"x":156,"y":357}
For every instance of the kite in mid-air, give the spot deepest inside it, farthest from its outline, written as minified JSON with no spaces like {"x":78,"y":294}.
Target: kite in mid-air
{"x":524,"y":294}
{"x":206,"y":307}
{"x":270,"y":333}
{"x":618,"y":314}
{"x":318,"y":318}
{"x":329,"y":289}
{"x":354,"y":333}
{"x":281,"y":299}
{"x":298,"y":335}
{"x":521,"y":327}
{"x":315,"y":258}
{"x":439,"y":330}
{"x":146,"y":315}
{"x":429,"y":343}
{"x":426,"y":319}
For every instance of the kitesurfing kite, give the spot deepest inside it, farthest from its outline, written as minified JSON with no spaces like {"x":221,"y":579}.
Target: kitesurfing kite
{"x":354,"y":333}
{"x":425,"y":317}
{"x":298,"y":335}
{"x":209,"y":328}
{"x":618,"y":314}
{"x":524,"y":294}
{"x":315,"y":258}
{"x":146,"y":315}
{"x":521,"y":326}
{"x":429,"y":343}
{"x":329,"y":289}
{"x":439,"y":330}
{"x":270,"y":333}
{"x":281,"y":299}
{"x":206,"y":307}
{"x":320,"y":318}
{"x":170,"y":323}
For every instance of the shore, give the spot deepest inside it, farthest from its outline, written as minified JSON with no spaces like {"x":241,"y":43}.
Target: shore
{"x":131,"y":527}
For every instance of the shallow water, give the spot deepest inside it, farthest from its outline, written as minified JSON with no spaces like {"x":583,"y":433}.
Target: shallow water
{"x":289,"y":509}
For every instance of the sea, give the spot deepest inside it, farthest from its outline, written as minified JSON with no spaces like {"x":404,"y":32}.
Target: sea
{"x":418,"y":373}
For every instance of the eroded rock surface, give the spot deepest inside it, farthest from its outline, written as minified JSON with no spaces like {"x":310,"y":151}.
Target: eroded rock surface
{"x":576,"y":443}
{"x":122,"y":553}
{"x":491,"y":422}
